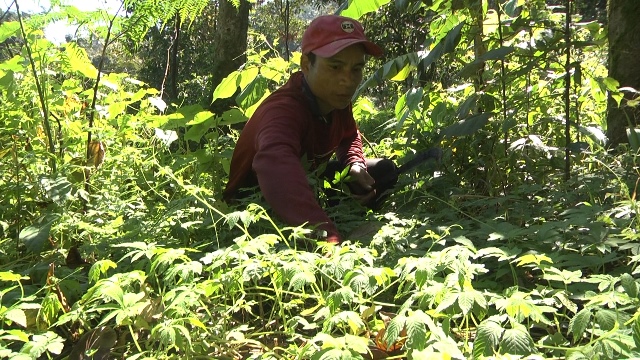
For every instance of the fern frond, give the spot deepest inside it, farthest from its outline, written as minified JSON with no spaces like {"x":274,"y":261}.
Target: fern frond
{"x":147,"y":13}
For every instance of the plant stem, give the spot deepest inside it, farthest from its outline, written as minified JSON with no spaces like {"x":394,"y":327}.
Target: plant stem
{"x":567,"y":92}
{"x":133,"y":336}
{"x":503,"y":86}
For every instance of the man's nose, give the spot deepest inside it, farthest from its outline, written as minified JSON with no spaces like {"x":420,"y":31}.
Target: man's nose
{"x":348,"y":77}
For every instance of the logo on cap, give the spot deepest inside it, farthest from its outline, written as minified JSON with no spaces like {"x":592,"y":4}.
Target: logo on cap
{"x":348,"y":26}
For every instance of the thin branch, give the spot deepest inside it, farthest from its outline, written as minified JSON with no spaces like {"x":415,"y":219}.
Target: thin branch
{"x":7,"y":11}
{"x":43,"y":103}
{"x":92,"y":111}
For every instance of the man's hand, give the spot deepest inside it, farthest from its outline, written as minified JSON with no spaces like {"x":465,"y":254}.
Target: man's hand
{"x":361,"y":184}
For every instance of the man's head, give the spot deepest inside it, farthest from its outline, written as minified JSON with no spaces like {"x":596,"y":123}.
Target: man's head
{"x":333,"y":57}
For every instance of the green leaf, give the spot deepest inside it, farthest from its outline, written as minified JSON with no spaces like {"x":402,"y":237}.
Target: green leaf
{"x":227,"y":86}
{"x":9,"y":29}
{"x":232,"y":116}
{"x":517,"y":341}
{"x":196,"y":132}
{"x":17,"y":316}
{"x":15,"y":64}
{"x":416,"y":331}
{"x":446,"y":45}
{"x":253,"y":92}
{"x":328,"y":354}
{"x":78,"y":61}
{"x":565,"y":276}
{"x":487,"y":338}
{"x":606,"y":319}
{"x":35,"y":237}
{"x":358,"y":344}
{"x":467,"y":126}
{"x":634,"y":138}
{"x":14,"y":334}
{"x":349,"y":318}
{"x":410,"y":102}
{"x":473,"y":67}
{"x":629,"y":285}
{"x":357,"y":8}
{"x":300,"y":279}
{"x":448,"y":301}
{"x":467,"y":107}
{"x":341,"y":296}
{"x":10,"y":276}
{"x":636,"y":331}
{"x":394,"y":329}
{"x":466,"y":300}
{"x":59,"y":190}
{"x":533,"y":259}
{"x":511,"y":7}
{"x":564,"y":300}
{"x":39,"y":344}
{"x":578,"y":354}
{"x":616,"y":347}
{"x":201,"y":117}
{"x":100,"y":268}
{"x":579,"y":323}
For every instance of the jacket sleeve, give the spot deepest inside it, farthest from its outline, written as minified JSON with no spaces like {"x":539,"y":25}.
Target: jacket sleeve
{"x":350,"y":149}
{"x":282,"y":178}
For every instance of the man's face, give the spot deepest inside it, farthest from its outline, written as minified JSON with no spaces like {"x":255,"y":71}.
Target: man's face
{"x":334,"y":80}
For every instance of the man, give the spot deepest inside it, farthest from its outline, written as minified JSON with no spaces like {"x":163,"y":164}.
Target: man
{"x":306,"y":121}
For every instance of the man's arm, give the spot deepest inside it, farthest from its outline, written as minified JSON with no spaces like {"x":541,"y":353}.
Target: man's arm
{"x":282,"y":178}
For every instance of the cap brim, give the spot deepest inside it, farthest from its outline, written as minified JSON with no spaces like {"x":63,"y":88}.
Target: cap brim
{"x":335,"y":47}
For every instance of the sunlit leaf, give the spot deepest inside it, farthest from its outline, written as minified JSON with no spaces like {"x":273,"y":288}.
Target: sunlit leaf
{"x":416,"y":332}
{"x":227,"y":87}
{"x":402,"y":74}
{"x":100,"y":268}
{"x":533,"y":259}
{"x":466,"y":300}
{"x":78,"y":61}
{"x":487,"y":338}
{"x":517,"y":341}
{"x":40,"y":344}
{"x":8,"y":29}
{"x":300,"y":279}
{"x":17,"y":316}
{"x":357,"y":8}
{"x":10,"y":276}
{"x":394,"y":329}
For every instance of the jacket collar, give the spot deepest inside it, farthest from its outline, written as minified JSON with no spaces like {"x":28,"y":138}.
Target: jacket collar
{"x":313,"y":102}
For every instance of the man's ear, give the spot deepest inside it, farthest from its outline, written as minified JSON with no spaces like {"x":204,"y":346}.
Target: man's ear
{"x":304,"y":63}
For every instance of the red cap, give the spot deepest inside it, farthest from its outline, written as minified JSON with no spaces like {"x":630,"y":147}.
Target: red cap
{"x":329,"y":34}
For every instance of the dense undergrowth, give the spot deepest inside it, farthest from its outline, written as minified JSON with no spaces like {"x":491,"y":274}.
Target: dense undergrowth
{"x":494,"y":252}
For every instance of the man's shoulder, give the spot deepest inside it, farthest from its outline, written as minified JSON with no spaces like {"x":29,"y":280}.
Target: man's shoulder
{"x":287,"y":99}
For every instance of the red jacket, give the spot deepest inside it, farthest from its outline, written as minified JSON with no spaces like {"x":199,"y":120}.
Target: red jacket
{"x":286,"y":128}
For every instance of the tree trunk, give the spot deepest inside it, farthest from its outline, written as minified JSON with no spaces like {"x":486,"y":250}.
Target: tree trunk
{"x":624,"y":52}
{"x":228,"y":51}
